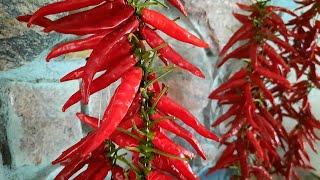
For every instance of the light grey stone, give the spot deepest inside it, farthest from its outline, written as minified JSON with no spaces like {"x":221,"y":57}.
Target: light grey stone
{"x":34,"y":131}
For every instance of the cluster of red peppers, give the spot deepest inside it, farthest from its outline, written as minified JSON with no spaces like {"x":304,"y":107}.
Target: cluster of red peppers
{"x":260,"y":97}
{"x":130,"y":140}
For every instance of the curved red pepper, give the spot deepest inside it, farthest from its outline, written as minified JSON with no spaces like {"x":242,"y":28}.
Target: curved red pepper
{"x":97,"y":56}
{"x":168,"y":106}
{"x":104,"y":80}
{"x":179,"y":131}
{"x":169,"y":27}
{"x":62,"y":6}
{"x":102,"y":18}
{"x":178,"y":4}
{"x":157,"y":175}
{"x":163,"y":143}
{"x":167,"y":53}
{"x":117,"y":108}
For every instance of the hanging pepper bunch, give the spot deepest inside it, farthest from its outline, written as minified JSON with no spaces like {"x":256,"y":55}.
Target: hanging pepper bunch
{"x":260,"y":97}
{"x":296,"y":104}
{"x":124,"y":41}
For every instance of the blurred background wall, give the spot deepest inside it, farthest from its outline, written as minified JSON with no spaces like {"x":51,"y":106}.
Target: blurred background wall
{"x":34,"y":131}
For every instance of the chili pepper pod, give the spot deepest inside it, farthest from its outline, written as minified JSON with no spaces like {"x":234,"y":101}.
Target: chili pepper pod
{"x":168,"y":106}
{"x":62,"y":6}
{"x":117,"y":108}
{"x":179,"y":131}
{"x":168,"y":53}
{"x":104,"y":80}
{"x":163,"y":143}
{"x":117,"y":173}
{"x":164,"y":164}
{"x":245,"y":32}
{"x":157,"y":175}
{"x":178,"y":4}
{"x":105,"y":20}
{"x":43,"y":22}
{"x":102,"y":49}
{"x":169,"y":27}
{"x":76,"y":45}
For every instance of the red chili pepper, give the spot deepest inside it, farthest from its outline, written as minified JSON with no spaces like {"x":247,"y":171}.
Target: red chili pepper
{"x":228,"y":85}
{"x":168,"y":106}
{"x":243,"y":160}
{"x":104,"y":80}
{"x":72,"y":151}
{"x":102,"y":173}
{"x":43,"y":22}
{"x":224,"y":162}
{"x":178,"y":4}
{"x":169,"y":27}
{"x":242,"y":18}
{"x":62,"y":6}
{"x":184,"y":168}
{"x":105,"y":17}
{"x":111,"y":61}
{"x":239,"y":53}
{"x":117,"y":173}
{"x":97,"y":56}
{"x":231,"y":112}
{"x":235,"y":128}
{"x":157,"y":175}
{"x":274,"y":56}
{"x":245,"y":32}
{"x":167,"y":53}
{"x":76,"y":45}
{"x":117,"y":109}
{"x":179,"y":131}
{"x":256,"y":144}
{"x":260,"y":171}
{"x":254,"y":55}
{"x":93,"y":167}
{"x":71,"y":168}
{"x":273,"y":76}
{"x":165,"y":164}
{"x":163,"y":143}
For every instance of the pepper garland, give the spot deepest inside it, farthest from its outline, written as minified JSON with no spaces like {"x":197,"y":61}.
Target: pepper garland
{"x":260,"y":97}
{"x":125,"y":45}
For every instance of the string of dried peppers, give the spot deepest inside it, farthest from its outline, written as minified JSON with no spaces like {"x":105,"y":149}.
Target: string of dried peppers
{"x":124,"y":41}
{"x":260,"y":97}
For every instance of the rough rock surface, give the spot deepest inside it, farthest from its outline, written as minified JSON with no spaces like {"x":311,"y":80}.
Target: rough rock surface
{"x":18,"y":43}
{"x":34,"y":131}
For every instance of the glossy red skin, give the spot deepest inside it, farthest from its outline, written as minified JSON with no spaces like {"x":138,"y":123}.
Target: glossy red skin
{"x":117,"y":173}
{"x":157,"y":175}
{"x":169,"y":27}
{"x":110,"y":61}
{"x":228,"y":85}
{"x":163,"y":143}
{"x":245,"y":32}
{"x":76,"y":45}
{"x":104,"y":80}
{"x":179,"y":131}
{"x":178,"y":4}
{"x":102,"y":49}
{"x":62,"y":6}
{"x":102,"y":18}
{"x":167,"y":53}
{"x":168,"y":106}
{"x":43,"y":22}
{"x":163,"y":163}
{"x":117,"y":108}
{"x":274,"y":77}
